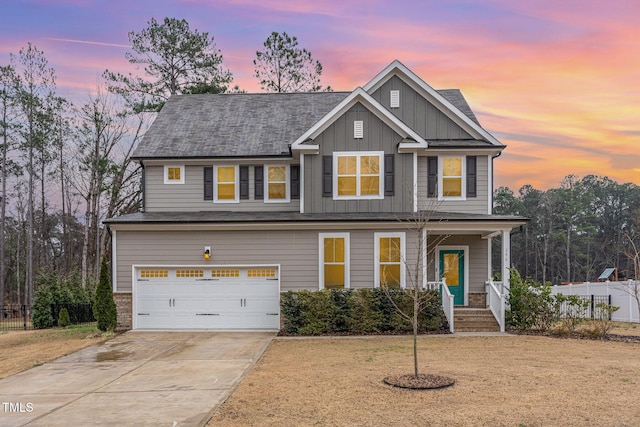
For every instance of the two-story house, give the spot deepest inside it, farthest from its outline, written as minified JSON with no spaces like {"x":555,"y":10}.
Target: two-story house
{"x":250,"y":195}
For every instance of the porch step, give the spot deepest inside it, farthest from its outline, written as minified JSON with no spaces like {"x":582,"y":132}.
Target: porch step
{"x":474,"y":320}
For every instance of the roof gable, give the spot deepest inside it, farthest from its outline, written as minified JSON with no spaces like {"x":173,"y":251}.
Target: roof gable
{"x":442,"y":100}
{"x":358,"y":96}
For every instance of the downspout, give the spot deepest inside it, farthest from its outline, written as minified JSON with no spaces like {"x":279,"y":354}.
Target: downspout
{"x":144,"y":186}
{"x":492,"y":178}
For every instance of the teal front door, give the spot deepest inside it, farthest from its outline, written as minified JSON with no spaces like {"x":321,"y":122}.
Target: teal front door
{"x":452,"y":269}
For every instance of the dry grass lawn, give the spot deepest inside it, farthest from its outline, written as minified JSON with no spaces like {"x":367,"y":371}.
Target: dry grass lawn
{"x":501,"y":381}
{"x":22,"y":350}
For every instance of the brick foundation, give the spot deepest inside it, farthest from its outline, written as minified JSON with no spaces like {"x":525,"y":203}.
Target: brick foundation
{"x":124,"y":306}
{"x":477,"y":299}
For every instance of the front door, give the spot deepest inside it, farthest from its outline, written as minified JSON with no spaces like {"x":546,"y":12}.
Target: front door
{"x":452,"y":269}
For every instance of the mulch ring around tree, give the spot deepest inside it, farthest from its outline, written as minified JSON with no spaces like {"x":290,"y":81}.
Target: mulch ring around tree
{"x":420,"y":382}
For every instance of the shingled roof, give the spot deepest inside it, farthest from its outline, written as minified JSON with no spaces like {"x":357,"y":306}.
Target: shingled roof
{"x":243,"y":125}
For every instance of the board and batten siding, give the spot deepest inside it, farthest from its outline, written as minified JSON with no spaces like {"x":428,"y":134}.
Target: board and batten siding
{"x":189,"y":197}
{"x":478,"y":257}
{"x":338,"y":137}
{"x":418,"y":113}
{"x":296,"y":251}
{"x":473,"y":205}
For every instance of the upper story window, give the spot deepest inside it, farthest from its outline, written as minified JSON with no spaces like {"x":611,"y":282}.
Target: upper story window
{"x":276,"y":183}
{"x":226,"y":188}
{"x":358,"y":175}
{"x":452,"y":181}
{"x":174,"y":174}
{"x":452,"y":177}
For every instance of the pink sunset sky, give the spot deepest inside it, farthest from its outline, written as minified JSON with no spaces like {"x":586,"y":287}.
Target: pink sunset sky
{"x":558,"y":82}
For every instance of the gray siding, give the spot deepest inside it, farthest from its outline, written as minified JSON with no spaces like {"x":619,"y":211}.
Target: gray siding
{"x":189,"y":197}
{"x":479,"y":204}
{"x":478,"y":257}
{"x":296,"y":251}
{"x":418,"y":113}
{"x":377,"y":137}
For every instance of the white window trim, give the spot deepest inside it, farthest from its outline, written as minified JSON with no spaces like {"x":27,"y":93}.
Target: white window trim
{"x":347,"y":258}
{"x":403,"y":257}
{"x":463,"y":195}
{"x":173,"y":181}
{"x":358,"y":154}
{"x":287,"y":199}
{"x":236,"y":187}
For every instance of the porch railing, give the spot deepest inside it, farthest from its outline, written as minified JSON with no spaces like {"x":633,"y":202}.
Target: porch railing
{"x":447,"y":300}
{"x":496,"y":302}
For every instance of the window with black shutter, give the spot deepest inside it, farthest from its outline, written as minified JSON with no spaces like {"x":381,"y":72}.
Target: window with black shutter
{"x":208,"y":183}
{"x":295,"y":182}
{"x":244,"y":182}
{"x":259,"y":182}
{"x":432,"y":177}
{"x":327,"y":176}
{"x":471,"y":176}
{"x":389,"y":175}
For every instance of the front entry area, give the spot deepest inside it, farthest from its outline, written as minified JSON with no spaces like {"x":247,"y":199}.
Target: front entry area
{"x":206,"y":297}
{"x":452,"y":264}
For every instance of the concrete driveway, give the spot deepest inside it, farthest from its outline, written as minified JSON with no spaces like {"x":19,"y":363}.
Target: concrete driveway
{"x":136,"y":379}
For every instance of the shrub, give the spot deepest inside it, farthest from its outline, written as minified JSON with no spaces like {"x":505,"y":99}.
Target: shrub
{"x":104,"y":307}
{"x":63,"y":318}
{"x":360,"y":311}
{"x":41,"y":316}
{"x":531,"y":304}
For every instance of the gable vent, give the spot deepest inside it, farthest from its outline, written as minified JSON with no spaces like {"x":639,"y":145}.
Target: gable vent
{"x":395,"y":99}
{"x":358,"y":129}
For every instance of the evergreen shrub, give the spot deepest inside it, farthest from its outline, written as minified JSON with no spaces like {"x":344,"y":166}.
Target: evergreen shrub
{"x":354,"y":311}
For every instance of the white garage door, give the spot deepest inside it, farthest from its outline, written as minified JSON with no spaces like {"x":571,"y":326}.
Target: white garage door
{"x":221,"y":297}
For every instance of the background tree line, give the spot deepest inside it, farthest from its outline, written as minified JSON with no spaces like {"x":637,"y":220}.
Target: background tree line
{"x":67,"y":166}
{"x":575,"y":230}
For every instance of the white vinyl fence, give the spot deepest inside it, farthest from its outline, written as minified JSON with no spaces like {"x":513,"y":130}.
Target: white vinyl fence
{"x":621,"y":296}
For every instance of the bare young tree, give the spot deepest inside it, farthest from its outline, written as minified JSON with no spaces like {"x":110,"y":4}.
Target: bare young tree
{"x":106,"y":178}
{"x":421,"y":298}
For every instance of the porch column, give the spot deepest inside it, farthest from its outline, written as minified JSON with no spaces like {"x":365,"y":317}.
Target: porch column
{"x":506,"y":259}
{"x":423,"y":237}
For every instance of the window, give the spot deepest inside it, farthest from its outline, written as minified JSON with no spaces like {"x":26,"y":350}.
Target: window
{"x":334,"y":260}
{"x":154,"y":274}
{"x":451,"y":180}
{"x":276,"y":179}
{"x":225,"y":186}
{"x":173,"y":174}
{"x":359,"y":175}
{"x":261,"y":272}
{"x":225,"y":272}
{"x":189,"y":273}
{"x":390,"y":259}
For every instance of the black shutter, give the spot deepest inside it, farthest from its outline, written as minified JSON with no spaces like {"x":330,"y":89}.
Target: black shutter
{"x":388,"y":175}
{"x":472,"y":176}
{"x":259,"y":182}
{"x":432,"y":174}
{"x":294,"y":170}
{"x":208,"y":183}
{"x":244,"y":182}
{"x":327,"y":176}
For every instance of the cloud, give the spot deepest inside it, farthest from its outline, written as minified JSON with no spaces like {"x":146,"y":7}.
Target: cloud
{"x":87,"y":42}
